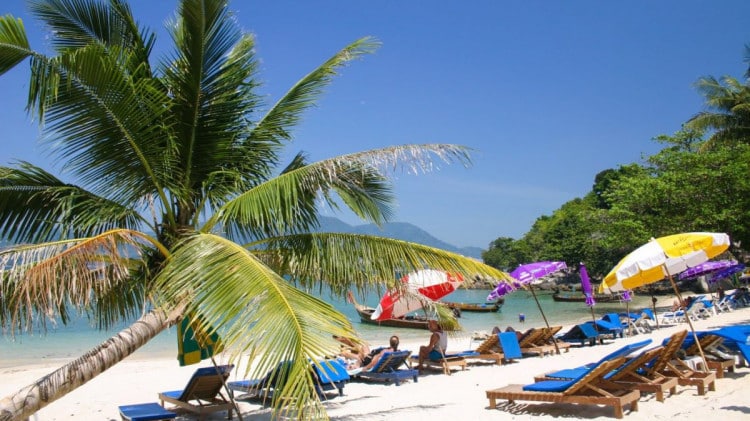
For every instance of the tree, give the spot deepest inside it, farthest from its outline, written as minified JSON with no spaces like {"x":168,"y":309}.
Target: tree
{"x":728,"y":115}
{"x":173,"y":164}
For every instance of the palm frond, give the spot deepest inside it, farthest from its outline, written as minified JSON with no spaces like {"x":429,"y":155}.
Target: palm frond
{"x":211,"y":82}
{"x":48,"y":279}
{"x":35,"y":207}
{"x":257,"y":313}
{"x":108,"y":125}
{"x":344,"y":261}
{"x":286,"y":113}
{"x":285,"y":204}
{"x":14,"y":45}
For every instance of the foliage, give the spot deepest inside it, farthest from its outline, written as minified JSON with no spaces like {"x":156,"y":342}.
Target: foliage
{"x":175,"y":158}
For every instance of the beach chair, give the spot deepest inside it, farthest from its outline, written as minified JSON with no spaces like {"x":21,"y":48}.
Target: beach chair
{"x":735,"y":341}
{"x":710,"y":344}
{"x":548,"y":341}
{"x":582,"y":333}
{"x":145,"y":412}
{"x":669,"y":364}
{"x":390,"y":367}
{"x":584,"y":390}
{"x":499,"y":348}
{"x":529,"y":342}
{"x":202,"y":394}
{"x":608,"y":329}
{"x":629,"y":375}
{"x":327,"y":375}
{"x":446,"y":363}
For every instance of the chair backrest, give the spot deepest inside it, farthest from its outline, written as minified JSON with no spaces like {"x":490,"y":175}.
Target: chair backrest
{"x":548,"y":334}
{"x":624,"y":351}
{"x":591,"y":375}
{"x":509,"y":343}
{"x":330,"y":371}
{"x":636,"y":364}
{"x":530,"y":337}
{"x":489,"y":344}
{"x":613,"y":318}
{"x":648,"y":312}
{"x":390,"y":361}
{"x":671,"y":346}
{"x":206,"y":383}
{"x":588,"y":330}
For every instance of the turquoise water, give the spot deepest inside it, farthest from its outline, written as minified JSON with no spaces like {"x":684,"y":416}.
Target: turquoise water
{"x":65,"y":342}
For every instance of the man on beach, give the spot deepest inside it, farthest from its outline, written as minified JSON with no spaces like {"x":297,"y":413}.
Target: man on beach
{"x":435,"y":349}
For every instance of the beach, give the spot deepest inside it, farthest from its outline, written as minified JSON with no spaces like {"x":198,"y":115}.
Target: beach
{"x":437,"y":396}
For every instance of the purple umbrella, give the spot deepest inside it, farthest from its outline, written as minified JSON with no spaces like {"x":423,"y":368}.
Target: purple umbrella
{"x":726,"y":272}
{"x":588,"y":291}
{"x":705,"y":268}
{"x":530,"y":272}
{"x":502,"y":289}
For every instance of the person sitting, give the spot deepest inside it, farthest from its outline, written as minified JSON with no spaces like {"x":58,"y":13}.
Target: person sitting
{"x":371,"y":359}
{"x":435,"y":349}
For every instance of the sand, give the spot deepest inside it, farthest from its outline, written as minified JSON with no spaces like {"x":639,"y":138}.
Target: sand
{"x":460,"y":396}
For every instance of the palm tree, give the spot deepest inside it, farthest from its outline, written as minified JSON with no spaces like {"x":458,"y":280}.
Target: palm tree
{"x":728,"y":117}
{"x":181,"y":206}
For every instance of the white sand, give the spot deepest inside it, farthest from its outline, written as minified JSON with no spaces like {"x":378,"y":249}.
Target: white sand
{"x":435,"y":396}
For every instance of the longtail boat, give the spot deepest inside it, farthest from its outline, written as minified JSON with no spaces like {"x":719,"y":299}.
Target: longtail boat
{"x":475,"y":307}
{"x":577,"y":297}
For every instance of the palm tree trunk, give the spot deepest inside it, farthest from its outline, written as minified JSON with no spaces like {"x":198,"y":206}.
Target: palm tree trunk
{"x":67,"y":378}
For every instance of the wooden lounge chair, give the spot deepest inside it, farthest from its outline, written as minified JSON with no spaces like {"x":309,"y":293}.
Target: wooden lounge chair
{"x":202,"y":395}
{"x":583,"y":390}
{"x":391,"y":366}
{"x":668,"y":364}
{"x":446,"y":363}
{"x":548,"y":340}
{"x":529,"y":342}
{"x":632,"y":376}
{"x":718,"y":363}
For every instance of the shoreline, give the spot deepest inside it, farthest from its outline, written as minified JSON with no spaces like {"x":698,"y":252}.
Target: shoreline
{"x":459,"y":396}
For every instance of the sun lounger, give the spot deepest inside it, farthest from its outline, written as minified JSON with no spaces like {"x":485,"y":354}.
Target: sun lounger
{"x":202,"y":395}
{"x":529,"y":342}
{"x":501,"y":347}
{"x":735,"y":340}
{"x":583,"y":390}
{"x":606,"y":328}
{"x":668,"y":364}
{"x":582,"y":333}
{"x":709,"y":344}
{"x":573,"y":373}
{"x":327,"y":374}
{"x":630,"y":374}
{"x":392,"y":366}
{"x":145,"y":412}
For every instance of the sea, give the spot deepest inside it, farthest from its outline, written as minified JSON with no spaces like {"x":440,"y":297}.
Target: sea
{"x":60,"y":343}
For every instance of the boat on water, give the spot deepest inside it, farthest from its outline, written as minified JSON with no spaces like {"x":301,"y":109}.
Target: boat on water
{"x":475,"y":307}
{"x":413,"y":322}
{"x":577,"y":297}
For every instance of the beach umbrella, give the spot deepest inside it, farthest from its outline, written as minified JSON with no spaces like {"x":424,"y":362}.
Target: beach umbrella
{"x":530,"y":273}
{"x":588,"y":290}
{"x":193,"y":343}
{"x":418,"y":287}
{"x":726,"y":272}
{"x":502,"y":289}
{"x":665,"y":257}
{"x":705,"y":268}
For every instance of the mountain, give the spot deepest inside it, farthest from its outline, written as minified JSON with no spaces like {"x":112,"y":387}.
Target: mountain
{"x":398,"y":230}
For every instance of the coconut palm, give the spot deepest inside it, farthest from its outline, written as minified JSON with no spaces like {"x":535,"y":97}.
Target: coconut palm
{"x":180,"y":204}
{"x":728,"y":117}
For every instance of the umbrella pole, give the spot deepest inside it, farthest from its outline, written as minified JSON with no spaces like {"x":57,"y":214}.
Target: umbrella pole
{"x":627,"y":312}
{"x":690,"y":323}
{"x":531,"y":287}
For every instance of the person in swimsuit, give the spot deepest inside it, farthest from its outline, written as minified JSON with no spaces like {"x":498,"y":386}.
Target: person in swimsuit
{"x":435,"y":349}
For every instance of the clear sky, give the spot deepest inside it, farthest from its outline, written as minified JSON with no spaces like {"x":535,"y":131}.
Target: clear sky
{"x":546,"y":93}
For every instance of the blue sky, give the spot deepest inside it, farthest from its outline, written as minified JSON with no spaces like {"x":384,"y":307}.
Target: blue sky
{"x":546,"y":93}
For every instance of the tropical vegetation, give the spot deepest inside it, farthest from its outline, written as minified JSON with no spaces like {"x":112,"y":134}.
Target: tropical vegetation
{"x":178,"y":202}
{"x":698,"y":181}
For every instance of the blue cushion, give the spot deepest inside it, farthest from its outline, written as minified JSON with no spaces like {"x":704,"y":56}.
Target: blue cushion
{"x":549,"y":386}
{"x":145,"y":412}
{"x":511,"y":347}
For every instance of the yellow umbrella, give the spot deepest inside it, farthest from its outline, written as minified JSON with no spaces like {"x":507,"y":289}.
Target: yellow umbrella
{"x":662,"y":258}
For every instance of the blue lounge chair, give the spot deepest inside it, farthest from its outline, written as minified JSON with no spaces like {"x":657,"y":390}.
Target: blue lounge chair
{"x":584,"y":389}
{"x":582,"y":333}
{"x":327,"y":375}
{"x":202,"y":395}
{"x":507,"y":346}
{"x":608,"y":329}
{"x":735,"y":339}
{"x":572,"y":373}
{"x":145,"y":412}
{"x":392,"y":366}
